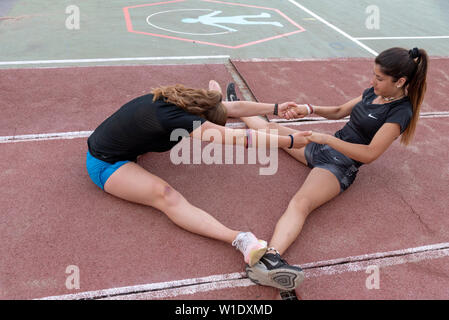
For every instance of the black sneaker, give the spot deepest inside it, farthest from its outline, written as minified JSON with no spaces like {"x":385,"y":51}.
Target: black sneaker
{"x":288,"y":295}
{"x":271,"y":270}
{"x":231,"y":95}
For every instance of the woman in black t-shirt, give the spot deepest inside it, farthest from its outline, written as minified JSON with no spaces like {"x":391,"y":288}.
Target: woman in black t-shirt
{"x":380,"y":115}
{"x":146,"y":124}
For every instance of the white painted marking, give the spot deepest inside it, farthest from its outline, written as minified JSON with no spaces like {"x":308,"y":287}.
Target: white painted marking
{"x":190,"y":58}
{"x":378,"y":255}
{"x":319,"y":120}
{"x":303,"y":59}
{"x":180,"y":32}
{"x":205,"y":281}
{"x":380,"y":262}
{"x":86,"y":134}
{"x":8,"y":63}
{"x":176,"y":288}
{"x":45,"y":136}
{"x":402,"y":38}
{"x":334,"y":28}
{"x":317,"y":59}
{"x":176,"y":292}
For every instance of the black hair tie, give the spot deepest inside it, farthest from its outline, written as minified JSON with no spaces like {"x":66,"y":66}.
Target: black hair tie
{"x":414,"y":53}
{"x":291,"y":141}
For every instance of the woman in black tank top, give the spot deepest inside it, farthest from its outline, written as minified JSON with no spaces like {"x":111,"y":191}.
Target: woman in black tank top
{"x":377,"y":117}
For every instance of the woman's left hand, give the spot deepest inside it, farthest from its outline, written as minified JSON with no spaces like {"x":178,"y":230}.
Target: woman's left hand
{"x":320,"y":138}
{"x":287,"y":110}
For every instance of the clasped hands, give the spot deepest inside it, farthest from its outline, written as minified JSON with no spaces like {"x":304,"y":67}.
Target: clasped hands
{"x":291,"y":110}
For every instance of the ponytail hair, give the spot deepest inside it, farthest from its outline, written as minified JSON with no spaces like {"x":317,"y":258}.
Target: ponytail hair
{"x":412,"y":65}
{"x":201,"y":102}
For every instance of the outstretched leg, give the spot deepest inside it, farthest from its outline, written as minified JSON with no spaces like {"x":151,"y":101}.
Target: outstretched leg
{"x":133,"y":183}
{"x":320,"y":186}
{"x":259,"y":123}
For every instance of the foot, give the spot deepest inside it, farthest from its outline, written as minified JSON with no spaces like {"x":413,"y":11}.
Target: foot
{"x":213,"y":85}
{"x":251,"y":247}
{"x":231,"y":95}
{"x":273,"y":271}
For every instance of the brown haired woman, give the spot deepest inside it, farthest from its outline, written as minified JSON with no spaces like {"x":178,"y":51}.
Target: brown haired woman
{"x":145,"y":125}
{"x":387,"y":110}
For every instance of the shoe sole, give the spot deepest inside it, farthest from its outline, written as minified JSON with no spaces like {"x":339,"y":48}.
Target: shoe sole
{"x":282,"y":278}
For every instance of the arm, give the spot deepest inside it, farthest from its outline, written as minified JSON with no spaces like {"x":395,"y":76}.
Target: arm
{"x":328,"y":112}
{"x":360,"y":152}
{"x":338,"y":112}
{"x":237,"y":109}
{"x":211,"y":132}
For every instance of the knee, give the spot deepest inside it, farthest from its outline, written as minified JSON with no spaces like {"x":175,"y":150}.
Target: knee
{"x":301,"y":205}
{"x":271,"y":126}
{"x":168,"y":196}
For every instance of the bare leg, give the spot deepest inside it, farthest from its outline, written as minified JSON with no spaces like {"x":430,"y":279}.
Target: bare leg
{"x":258,"y":123}
{"x":320,"y":187}
{"x":133,"y":183}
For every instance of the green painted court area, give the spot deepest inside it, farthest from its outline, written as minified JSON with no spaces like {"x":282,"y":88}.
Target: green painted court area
{"x":66,"y":65}
{"x":199,"y":31}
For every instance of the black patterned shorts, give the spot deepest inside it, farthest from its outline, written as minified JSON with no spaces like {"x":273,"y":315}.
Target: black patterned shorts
{"x":323,"y":156}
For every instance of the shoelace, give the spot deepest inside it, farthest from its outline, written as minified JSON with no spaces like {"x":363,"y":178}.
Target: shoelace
{"x":240,"y":243}
{"x":273,"y":249}
{"x":278,"y":256}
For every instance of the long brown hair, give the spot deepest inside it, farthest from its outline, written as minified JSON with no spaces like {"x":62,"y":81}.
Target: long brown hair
{"x":204,"y":103}
{"x":411,"y":64}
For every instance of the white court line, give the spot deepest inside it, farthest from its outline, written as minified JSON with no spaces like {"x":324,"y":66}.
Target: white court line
{"x":7,"y":63}
{"x":402,"y":38}
{"x":176,"y":288}
{"x":86,"y":134}
{"x":45,"y":136}
{"x":334,"y":28}
{"x":335,"y":59}
{"x":305,"y":59}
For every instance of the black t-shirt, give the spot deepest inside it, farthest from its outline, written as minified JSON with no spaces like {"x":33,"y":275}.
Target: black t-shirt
{"x":138,"y":127}
{"x":366,"y":118}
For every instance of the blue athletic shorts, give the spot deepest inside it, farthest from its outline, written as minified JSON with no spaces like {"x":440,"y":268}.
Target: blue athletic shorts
{"x":100,"y":171}
{"x":325,"y":157}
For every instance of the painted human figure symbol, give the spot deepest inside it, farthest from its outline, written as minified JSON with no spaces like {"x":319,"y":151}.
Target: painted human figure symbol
{"x":211,"y":20}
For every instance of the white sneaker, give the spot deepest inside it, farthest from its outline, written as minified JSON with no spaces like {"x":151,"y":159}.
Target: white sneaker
{"x":252,"y":248}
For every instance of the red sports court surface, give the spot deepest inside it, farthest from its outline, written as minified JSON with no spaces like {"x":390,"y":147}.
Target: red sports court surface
{"x":393,"y":217}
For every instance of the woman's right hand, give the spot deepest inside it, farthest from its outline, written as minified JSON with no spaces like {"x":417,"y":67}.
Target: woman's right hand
{"x":300,"y":139}
{"x":300,"y":111}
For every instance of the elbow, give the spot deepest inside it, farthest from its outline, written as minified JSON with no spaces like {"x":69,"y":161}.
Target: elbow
{"x":368,"y":155}
{"x":337,"y":114}
{"x":370,"y":158}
